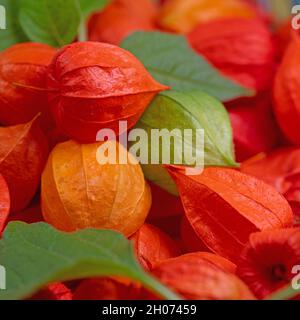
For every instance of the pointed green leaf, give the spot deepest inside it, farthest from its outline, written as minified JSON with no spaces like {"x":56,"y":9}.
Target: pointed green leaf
{"x":173,"y":62}
{"x":189,"y":110}
{"x":286,"y":293}
{"x":37,"y":254}
{"x":90,"y":6}
{"x":13,"y":33}
{"x":54,"y":22}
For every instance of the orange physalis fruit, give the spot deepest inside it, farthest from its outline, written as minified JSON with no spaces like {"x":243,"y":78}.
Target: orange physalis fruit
{"x":78,"y":192}
{"x":196,"y":278}
{"x":153,"y":245}
{"x":23,"y":77}
{"x":224,"y":206}
{"x":4,"y":203}
{"x":94,"y":85}
{"x":185,"y":15}
{"x":269,"y":259}
{"x":23,"y":154}
{"x":121,"y":18}
{"x":287,"y":92}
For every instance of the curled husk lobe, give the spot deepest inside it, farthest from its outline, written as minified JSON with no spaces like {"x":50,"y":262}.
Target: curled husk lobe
{"x":196,"y":278}
{"x":23,"y":88}
{"x":153,"y":245}
{"x":225,"y":206}
{"x":23,"y":154}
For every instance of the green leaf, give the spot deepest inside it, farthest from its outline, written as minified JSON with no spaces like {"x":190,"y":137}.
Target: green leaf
{"x":189,"y":110}
{"x":54,"y":22}
{"x":13,"y":33}
{"x":171,"y":61}
{"x":284,"y":294}
{"x":90,"y":6}
{"x":37,"y":254}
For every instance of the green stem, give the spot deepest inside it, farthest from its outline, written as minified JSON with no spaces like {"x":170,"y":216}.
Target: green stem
{"x":82,"y":32}
{"x":281,"y":9}
{"x":284,"y":294}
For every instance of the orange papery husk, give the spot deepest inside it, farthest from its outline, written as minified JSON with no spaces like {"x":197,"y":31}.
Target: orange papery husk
{"x":78,"y":192}
{"x":23,"y":88}
{"x":121,"y":18}
{"x":224,"y":206}
{"x":286,"y":92}
{"x":243,"y":50}
{"x":196,"y":278}
{"x":4,"y":203}
{"x":23,"y":154}
{"x":169,"y":207}
{"x":254,"y":126}
{"x":153,"y":245}
{"x":184,"y":15}
{"x":267,"y":262}
{"x":54,"y":291}
{"x":95,"y":85}
{"x":190,"y":239}
{"x":279,"y":168}
{"x":108,"y":289}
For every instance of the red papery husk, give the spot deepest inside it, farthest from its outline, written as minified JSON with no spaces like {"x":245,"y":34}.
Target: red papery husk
{"x":268,"y":260}
{"x":279,"y":168}
{"x":224,"y":206}
{"x":196,"y":278}
{"x":152,"y":246}
{"x":242,"y":49}
{"x":4,"y":203}
{"x":254,"y":126}
{"x":284,"y":35}
{"x":170,"y":225}
{"x":121,"y":18}
{"x":286,"y":92}
{"x":108,"y":289}
{"x":170,"y":206}
{"x":32,"y":214}
{"x":23,"y":154}
{"x":190,"y":239}
{"x":23,"y":90}
{"x":54,"y":291}
{"x":95,"y":85}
